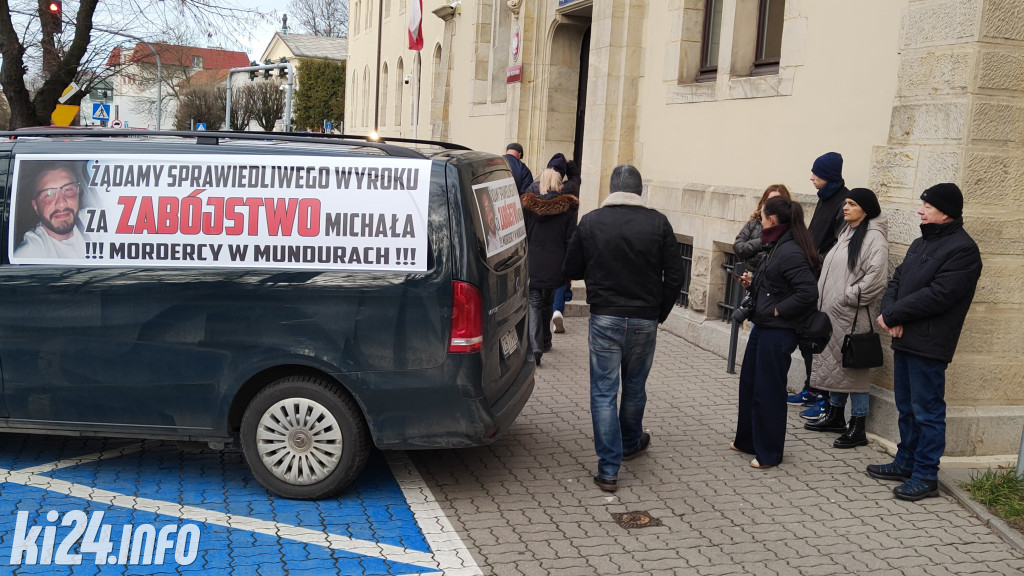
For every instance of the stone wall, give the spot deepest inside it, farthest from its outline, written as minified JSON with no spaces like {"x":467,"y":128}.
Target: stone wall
{"x":959,"y":117}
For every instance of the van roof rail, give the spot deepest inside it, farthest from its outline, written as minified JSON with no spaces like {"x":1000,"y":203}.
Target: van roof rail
{"x":389,"y":146}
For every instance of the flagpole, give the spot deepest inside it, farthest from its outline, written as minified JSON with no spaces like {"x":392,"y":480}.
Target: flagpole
{"x":376,"y":98}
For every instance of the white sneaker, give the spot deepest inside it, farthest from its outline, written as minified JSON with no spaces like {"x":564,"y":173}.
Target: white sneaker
{"x":557,"y":324}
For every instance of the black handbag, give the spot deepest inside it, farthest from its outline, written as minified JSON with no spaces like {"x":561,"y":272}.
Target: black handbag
{"x":815,"y":332}
{"x":862,"y":350}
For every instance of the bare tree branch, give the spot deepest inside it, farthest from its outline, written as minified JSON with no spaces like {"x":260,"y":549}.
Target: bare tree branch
{"x":321,"y":17}
{"x":56,"y":55}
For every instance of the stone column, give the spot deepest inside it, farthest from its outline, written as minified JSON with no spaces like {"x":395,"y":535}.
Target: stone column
{"x":615,"y":74}
{"x":959,"y":117}
{"x":441,"y":95}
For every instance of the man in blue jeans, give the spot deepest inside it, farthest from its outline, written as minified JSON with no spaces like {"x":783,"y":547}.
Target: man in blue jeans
{"x":623,"y":251}
{"x":923,"y":310}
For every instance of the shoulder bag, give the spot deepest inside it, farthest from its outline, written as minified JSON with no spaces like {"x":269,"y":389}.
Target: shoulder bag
{"x":862,"y":350}
{"x":815,"y":332}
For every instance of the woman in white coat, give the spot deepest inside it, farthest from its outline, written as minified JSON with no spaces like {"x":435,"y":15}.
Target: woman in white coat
{"x":853,"y":278}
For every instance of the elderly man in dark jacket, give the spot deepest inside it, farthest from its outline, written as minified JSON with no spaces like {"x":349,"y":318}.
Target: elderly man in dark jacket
{"x":520,"y":171}
{"x":923,"y":310}
{"x":629,"y":257}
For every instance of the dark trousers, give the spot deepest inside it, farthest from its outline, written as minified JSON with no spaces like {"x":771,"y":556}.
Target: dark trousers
{"x":541,"y":300}
{"x":808,"y":357}
{"x":919,"y":385}
{"x":761,"y":421}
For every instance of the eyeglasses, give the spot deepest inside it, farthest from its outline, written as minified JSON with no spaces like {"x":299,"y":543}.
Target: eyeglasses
{"x":49,"y":195}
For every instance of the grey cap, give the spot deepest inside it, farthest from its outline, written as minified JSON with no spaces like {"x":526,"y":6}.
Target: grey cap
{"x":626,"y":178}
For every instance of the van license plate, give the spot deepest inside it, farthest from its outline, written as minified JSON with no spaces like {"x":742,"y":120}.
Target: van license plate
{"x":509,"y":343}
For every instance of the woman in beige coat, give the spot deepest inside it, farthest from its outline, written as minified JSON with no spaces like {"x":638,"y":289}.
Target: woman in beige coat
{"x":853,"y":277}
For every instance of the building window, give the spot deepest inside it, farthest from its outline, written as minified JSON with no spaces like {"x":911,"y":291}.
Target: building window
{"x":733,"y":289}
{"x":686,"y":251}
{"x":770,"y":17}
{"x":711,"y":40}
{"x":382,"y":111}
{"x":197,"y":61}
{"x":399,"y":89}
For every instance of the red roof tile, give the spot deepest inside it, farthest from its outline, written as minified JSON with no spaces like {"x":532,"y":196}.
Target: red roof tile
{"x":173,"y":55}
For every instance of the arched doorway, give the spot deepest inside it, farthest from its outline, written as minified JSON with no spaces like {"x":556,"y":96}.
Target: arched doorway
{"x":566,"y":91}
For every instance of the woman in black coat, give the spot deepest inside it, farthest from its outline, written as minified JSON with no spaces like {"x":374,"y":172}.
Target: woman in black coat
{"x":785,"y":292}
{"x":550,"y":217}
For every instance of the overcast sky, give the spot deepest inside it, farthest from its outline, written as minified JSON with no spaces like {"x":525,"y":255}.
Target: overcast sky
{"x":262,"y":34}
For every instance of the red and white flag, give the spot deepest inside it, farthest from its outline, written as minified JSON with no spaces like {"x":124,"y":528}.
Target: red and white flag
{"x":416,"y":25}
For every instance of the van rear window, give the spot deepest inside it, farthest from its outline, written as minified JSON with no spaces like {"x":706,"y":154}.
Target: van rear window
{"x":221,"y":210}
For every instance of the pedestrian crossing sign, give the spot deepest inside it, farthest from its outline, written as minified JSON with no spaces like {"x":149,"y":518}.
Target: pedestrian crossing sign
{"x":101,"y":111}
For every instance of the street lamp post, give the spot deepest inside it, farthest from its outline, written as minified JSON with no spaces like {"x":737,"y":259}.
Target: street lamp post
{"x":376,"y":98}
{"x":289,"y":87}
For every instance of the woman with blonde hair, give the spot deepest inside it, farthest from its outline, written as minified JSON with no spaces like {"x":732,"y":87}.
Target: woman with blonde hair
{"x":549,"y":209}
{"x":561,"y":175}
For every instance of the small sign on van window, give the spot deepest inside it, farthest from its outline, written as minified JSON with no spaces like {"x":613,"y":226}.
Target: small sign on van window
{"x":307,"y":212}
{"x":501,"y":214}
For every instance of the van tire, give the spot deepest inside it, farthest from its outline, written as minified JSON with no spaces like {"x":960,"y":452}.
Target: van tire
{"x":304,"y":438}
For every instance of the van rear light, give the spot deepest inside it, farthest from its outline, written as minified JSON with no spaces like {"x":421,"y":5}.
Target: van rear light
{"x":467,"y":318}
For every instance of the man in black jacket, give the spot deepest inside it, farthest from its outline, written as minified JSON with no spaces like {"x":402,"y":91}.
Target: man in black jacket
{"x":629,"y":257}
{"x":923,"y":310}
{"x":826,"y":223}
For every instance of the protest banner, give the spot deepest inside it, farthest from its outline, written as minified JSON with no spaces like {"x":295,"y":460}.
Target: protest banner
{"x":501,"y":214}
{"x":307,"y":212}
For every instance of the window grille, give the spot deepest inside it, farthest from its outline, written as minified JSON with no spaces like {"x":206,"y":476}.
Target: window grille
{"x":686,"y":251}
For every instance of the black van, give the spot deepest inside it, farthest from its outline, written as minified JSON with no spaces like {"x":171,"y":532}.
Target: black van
{"x":304,"y":295}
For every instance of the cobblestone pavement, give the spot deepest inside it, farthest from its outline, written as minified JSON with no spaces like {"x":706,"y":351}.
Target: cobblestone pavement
{"x":526,"y":505}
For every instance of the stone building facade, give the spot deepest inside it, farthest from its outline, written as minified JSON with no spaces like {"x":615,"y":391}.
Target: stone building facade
{"x":714,"y":100}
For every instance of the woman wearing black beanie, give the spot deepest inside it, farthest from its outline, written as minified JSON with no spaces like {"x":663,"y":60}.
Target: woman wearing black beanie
{"x":853,"y":279}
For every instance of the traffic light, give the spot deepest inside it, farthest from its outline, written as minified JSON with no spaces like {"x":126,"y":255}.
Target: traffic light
{"x":283,"y":72}
{"x":252,"y":73}
{"x":54,"y":11}
{"x":266,"y":73}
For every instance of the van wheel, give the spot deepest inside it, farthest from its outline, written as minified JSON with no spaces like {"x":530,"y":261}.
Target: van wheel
{"x":304,"y":438}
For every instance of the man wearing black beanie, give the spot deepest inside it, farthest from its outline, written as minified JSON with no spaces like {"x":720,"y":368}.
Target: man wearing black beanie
{"x":826,"y":223}
{"x":923,"y":310}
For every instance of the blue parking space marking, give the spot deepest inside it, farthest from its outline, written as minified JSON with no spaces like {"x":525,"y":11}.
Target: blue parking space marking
{"x":134,"y":508}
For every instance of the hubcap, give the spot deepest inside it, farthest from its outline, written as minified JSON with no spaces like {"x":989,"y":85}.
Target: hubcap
{"x":299,"y":441}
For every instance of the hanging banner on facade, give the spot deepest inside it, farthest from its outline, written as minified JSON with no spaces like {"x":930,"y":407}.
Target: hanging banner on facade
{"x":501,"y":214}
{"x":308,"y":212}
{"x":514,"y":74}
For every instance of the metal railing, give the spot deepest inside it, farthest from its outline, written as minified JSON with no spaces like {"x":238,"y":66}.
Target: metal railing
{"x":686,"y":251}
{"x":733,"y":289}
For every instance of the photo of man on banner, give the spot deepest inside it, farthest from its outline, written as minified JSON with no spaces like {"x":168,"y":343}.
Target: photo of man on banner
{"x":488,"y":220}
{"x":49,"y":199}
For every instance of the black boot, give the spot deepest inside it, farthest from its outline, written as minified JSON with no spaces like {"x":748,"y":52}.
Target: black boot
{"x":834,"y":420}
{"x":855,"y":434}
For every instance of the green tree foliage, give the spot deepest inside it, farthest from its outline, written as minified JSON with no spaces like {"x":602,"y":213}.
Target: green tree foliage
{"x":320,"y":95}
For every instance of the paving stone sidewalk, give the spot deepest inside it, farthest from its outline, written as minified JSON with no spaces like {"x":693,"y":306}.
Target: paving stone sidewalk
{"x":526,"y":505}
